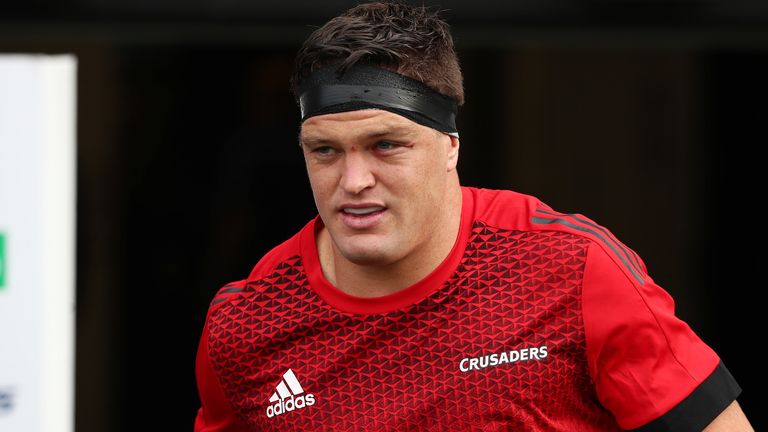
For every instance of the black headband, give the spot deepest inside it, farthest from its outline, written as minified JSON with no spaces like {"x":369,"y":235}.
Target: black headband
{"x":326,"y":91}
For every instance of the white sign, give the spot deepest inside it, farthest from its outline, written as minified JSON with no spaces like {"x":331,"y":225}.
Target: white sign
{"x":37,"y":249}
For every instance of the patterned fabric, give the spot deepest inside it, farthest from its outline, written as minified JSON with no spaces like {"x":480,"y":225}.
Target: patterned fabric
{"x":495,"y":341}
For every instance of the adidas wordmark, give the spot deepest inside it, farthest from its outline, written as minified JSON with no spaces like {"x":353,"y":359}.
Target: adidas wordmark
{"x":289,"y":396}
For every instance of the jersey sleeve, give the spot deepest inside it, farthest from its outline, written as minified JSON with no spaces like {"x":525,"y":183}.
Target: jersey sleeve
{"x":650,"y":369}
{"x":215,"y":413}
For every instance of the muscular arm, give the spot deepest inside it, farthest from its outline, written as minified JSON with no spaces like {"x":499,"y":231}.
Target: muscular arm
{"x":732,"y":419}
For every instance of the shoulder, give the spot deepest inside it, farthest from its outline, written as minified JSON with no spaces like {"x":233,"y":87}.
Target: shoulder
{"x":284,"y":255}
{"x":502,"y":208}
{"x":606,"y":248}
{"x":511,"y":210}
{"x":289,"y":250}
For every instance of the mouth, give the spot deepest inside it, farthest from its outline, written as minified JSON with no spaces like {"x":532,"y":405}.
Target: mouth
{"x":362,"y":211}
{"x":361,"y":217}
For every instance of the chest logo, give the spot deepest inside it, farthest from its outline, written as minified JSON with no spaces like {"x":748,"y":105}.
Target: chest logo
{"x":288,"y":396}
{"x":497,"y":359}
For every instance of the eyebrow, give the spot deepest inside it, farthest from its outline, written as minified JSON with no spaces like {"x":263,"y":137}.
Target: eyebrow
{"x":377,"y":133}
{"x":311,"y":140}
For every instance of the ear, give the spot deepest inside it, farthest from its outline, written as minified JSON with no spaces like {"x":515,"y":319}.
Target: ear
{"x":453,"y":153}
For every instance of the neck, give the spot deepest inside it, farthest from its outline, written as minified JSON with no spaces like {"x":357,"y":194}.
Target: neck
{"x":384,"y":279}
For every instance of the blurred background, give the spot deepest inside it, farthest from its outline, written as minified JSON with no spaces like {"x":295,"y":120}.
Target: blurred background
{"x":648,"y":116}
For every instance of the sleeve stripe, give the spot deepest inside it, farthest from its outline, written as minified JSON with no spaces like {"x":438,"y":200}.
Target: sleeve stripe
{"x":229,"y":290}
{"x":217,"y":301}
{"x":561,"y":221}
{"x":698,"y":410}
{"x":225,"y":292}
{"x":629,"y":253}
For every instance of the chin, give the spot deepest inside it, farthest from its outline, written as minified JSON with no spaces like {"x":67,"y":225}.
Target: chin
{"x":366,"y":255}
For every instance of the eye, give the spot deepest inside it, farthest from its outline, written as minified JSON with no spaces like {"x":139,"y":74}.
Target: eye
{"x":324,"y":151}
{"x":385,"y":145}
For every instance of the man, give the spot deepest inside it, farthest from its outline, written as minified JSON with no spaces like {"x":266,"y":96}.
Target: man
{"x":413,"y":303}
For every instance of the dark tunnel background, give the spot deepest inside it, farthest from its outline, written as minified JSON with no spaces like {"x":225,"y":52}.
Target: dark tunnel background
{"x":649,"y":117}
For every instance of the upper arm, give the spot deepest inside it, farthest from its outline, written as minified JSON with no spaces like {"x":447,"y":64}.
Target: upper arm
{"x":215,"y":413}
{"x":650,"y":369}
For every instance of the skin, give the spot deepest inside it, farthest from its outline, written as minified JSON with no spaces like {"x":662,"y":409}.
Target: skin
{"x":377,"y":159}
{"x":732,"y":419}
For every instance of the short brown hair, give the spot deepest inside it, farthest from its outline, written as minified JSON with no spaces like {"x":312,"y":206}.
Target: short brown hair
{"x":410,"y":40}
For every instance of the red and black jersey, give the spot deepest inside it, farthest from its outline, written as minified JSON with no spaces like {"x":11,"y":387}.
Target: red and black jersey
{"x":536,"y":321}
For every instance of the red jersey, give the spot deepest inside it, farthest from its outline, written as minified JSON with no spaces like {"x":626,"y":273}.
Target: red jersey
{"x":536,"y":321}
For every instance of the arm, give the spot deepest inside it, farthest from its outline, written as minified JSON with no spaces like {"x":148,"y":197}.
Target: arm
{"x":650,"y":369}
{"x":215,"y":414}
{"x":731,"y":419}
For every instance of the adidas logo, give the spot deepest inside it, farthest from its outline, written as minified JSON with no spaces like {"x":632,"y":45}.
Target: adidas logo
{"x":289,"y":396}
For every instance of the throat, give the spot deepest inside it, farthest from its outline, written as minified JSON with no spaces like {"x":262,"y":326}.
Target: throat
{"x":373,"y":281}
{"x":376,"y":280}
{"x":359,"y":280}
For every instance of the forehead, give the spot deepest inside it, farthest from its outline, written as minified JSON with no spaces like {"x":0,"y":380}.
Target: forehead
{"x":357,"y":124}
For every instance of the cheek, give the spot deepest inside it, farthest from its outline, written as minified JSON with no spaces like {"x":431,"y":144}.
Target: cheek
{"x":430,"y":176}
{"x":422,"y":185}
{"x":320,"y":183}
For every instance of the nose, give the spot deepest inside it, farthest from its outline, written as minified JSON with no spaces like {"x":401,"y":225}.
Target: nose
{"x":357,"y":175}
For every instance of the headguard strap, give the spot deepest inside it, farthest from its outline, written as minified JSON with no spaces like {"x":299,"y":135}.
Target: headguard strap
{"x":327,"y":91}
